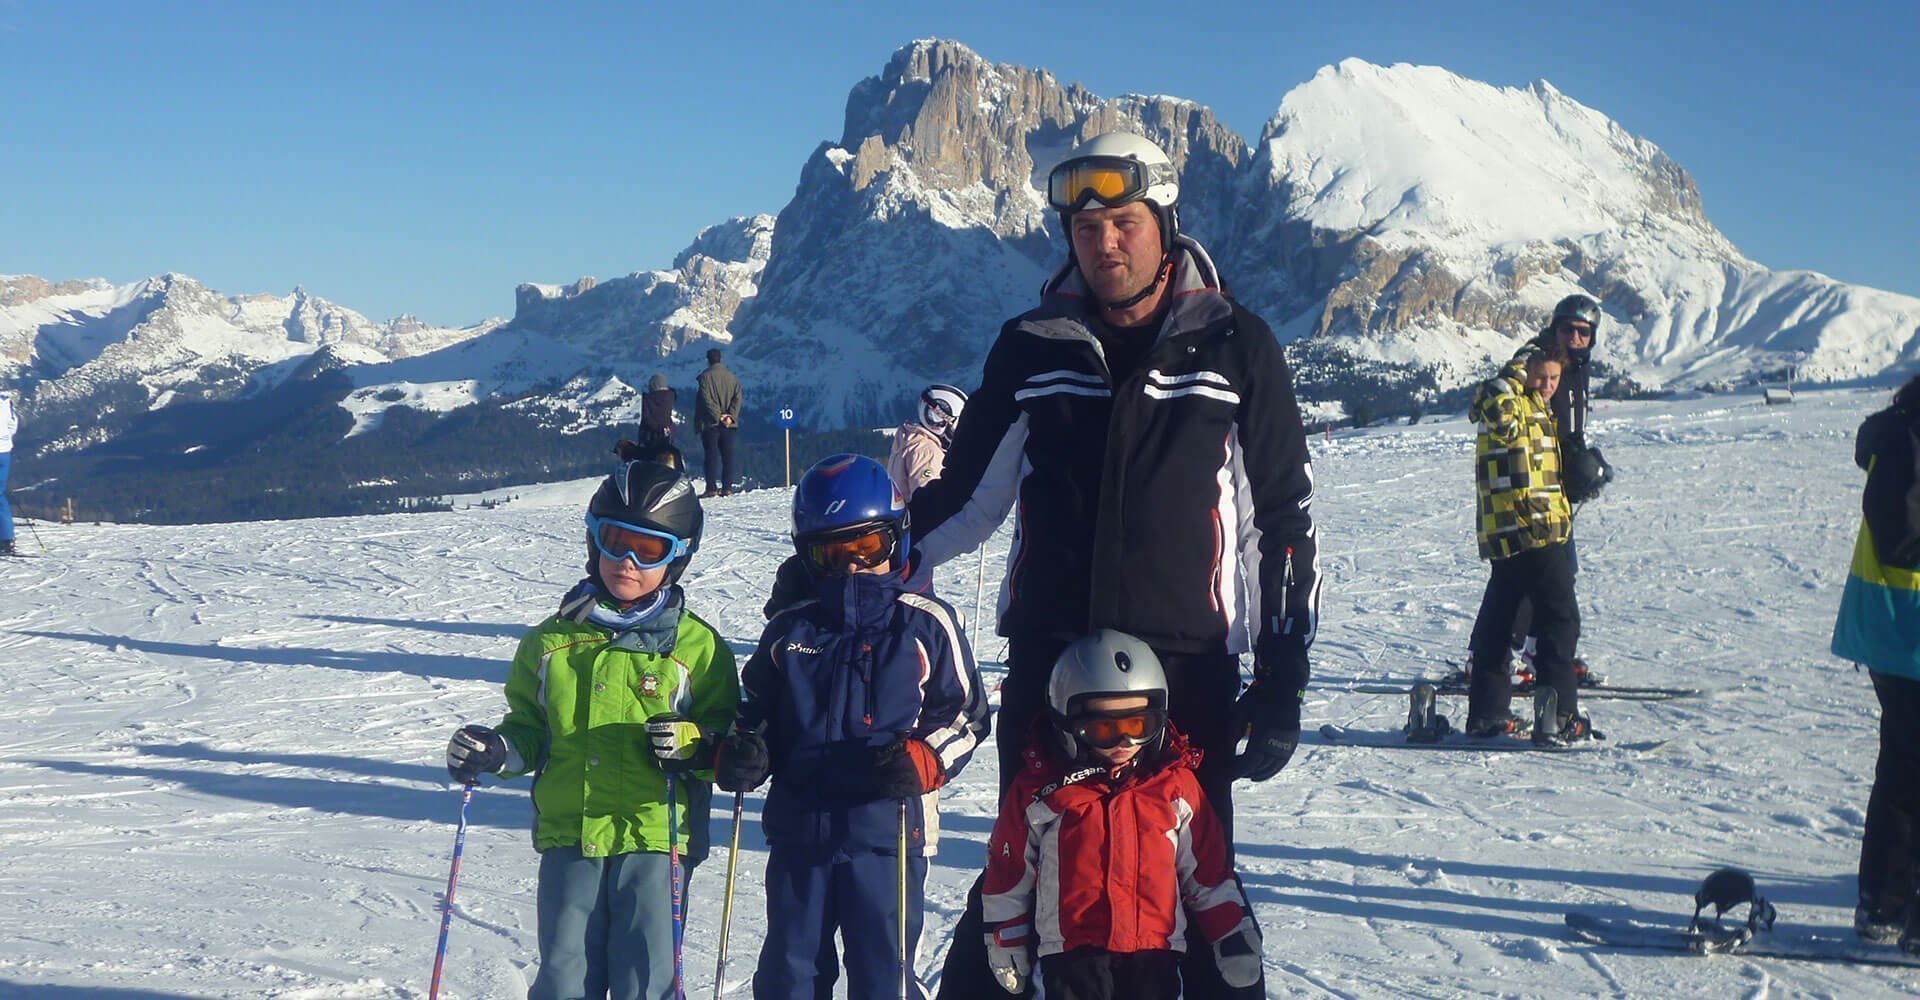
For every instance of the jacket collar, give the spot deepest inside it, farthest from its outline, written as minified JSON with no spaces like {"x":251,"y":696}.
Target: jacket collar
{"x":865,"y":600}
{"x":1066,"y":303}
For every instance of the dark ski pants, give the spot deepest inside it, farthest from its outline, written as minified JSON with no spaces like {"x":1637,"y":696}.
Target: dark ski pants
{"x":1889,"y":849}
{"x":1093,"y":974}
{"x":1544,"y":578}
{"x":6,"y":510}
{"x":718,"y":443}
{"x":858,"y":895}
{"x":1201,"y":689}
{"x":605,"y":926}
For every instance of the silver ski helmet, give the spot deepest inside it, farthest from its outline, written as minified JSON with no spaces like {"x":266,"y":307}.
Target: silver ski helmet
{"x":653,"y":497}
{"x":1578,"y":308}
{"x":1114,"y":169}
{"x":1107,"y":663}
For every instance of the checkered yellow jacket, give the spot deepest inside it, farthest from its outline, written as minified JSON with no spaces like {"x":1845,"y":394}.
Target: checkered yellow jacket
{"x":1516,"y":468}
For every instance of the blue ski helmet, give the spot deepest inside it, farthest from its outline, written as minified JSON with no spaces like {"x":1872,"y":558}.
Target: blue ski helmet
{"x":844,"y":497}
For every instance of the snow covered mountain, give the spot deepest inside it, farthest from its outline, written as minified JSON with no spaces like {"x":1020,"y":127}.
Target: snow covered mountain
{"x":93,"y":354}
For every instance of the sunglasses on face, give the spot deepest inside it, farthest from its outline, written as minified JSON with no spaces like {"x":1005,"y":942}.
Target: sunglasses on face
{"x":1573,"y":329}
{"x":643,"y":547}
{"x":1106,"y":730}
{"x":865,"y":550}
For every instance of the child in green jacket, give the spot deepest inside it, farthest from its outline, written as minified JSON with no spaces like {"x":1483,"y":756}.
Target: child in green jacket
{"x":610,"y":703}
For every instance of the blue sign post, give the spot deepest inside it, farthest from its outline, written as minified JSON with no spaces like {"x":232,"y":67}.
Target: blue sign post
{"x":783,"y":418}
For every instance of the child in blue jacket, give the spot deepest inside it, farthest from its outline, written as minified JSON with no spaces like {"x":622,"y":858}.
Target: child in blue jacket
{"x":860,"y":704}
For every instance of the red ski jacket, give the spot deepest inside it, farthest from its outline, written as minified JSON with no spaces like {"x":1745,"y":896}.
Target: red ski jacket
{"x":1080,"y":859}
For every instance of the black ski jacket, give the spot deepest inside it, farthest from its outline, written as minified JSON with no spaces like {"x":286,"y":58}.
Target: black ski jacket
{"x":1173,"y":506}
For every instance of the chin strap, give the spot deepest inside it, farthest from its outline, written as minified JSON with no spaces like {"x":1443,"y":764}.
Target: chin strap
{"x":1166,"y":268}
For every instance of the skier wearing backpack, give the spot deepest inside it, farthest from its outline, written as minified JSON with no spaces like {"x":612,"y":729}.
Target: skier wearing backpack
{"x":1879,"y":628}
{"x":1144,"y":425}
{"x":615,"y":703}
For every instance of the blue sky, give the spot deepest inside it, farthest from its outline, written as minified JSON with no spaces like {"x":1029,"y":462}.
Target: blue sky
{"x":427,"y":158}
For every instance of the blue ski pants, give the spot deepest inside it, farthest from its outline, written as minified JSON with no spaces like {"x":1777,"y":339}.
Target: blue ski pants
{"x":606,"y":926}
{"x":858,"y":895}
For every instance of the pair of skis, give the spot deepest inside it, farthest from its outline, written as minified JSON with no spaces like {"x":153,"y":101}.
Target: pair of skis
{"x":1455,"y":683}
{"x":1427,"y":729}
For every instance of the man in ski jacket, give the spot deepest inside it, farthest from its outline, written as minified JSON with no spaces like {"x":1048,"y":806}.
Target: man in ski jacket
{"x":716,"y":419}
{"x":8,"y":424}
{"x":1879,"y":628}
{"x":1142,"y":427}
{"x":1574,"y":327}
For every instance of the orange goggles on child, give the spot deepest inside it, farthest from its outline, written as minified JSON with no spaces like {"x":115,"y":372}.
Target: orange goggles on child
{"x":865,"y":550}
{"x":1104,"y":731}
{"x":644,"y":547}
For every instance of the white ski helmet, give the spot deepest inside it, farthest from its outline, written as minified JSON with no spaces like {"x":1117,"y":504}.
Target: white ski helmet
{"x":1106,"y":663}
{"x":1114,"y":169}
{"x":940,"y":406}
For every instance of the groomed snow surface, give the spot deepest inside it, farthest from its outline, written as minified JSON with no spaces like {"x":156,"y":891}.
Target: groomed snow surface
{"x":223,"y":777}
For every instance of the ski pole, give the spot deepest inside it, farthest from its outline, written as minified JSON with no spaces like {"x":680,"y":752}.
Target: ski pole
{"x":902,"y":845}
{"x":979,"y":584}
{"x":726,"y":900}
{"x":679,"y":911}
{"x":446,"y":904}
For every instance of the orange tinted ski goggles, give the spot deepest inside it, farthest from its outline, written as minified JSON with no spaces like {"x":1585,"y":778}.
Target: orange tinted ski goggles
{"x":864,"y":550}
{"x":1106,"y":731}
{"x":644,"y":547}
{"x":1109,"y":180}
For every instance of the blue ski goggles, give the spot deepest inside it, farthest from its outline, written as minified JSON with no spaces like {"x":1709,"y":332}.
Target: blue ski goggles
{"x":646,"y":548}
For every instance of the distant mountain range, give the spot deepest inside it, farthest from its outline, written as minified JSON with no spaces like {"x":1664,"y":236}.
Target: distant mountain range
{"x":1400,"y":227}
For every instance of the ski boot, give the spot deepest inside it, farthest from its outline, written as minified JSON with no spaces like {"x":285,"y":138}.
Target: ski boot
{"x":1551,"y":728}
{"x":1877,"y":927}
{"x":1424,"y":725}
{"x":1503,"y":724}
{"x":6,"y":547}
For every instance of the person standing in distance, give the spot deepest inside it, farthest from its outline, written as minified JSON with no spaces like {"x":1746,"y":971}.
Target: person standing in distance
{"x":1145,"y":425}
{"x":8,"y":424}
{"x":717,"y":418}
{"x":920,"y":445}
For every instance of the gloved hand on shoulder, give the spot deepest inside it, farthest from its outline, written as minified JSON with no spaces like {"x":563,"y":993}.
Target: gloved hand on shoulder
{"x":678,"y":744}
{"x":1237,"y":956}
{"x":474,"y":751}
{"x":742,"y":761}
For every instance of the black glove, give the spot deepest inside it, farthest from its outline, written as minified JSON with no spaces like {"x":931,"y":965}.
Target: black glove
{"x":474,"y":751}
{"x":894,"y":771}
{"x":742,"y":762}
{"x":1271,"y":720}
{"x":792,"y":583}
{"x":1586,"y":471}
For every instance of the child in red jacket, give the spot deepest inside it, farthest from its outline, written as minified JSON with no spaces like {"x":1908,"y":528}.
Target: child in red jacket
{"x":1105,"y":843}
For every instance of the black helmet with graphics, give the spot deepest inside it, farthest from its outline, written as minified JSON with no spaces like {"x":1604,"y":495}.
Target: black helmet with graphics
{"x":640,"y":503}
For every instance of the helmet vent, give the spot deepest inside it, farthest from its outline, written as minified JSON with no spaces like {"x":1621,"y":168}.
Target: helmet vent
{"x":1123,"y":661}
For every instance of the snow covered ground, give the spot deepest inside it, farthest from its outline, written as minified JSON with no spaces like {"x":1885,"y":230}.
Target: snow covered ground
{"x":222,"y":771}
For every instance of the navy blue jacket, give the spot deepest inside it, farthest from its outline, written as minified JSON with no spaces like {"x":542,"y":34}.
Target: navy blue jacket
{"x":871,"y":657}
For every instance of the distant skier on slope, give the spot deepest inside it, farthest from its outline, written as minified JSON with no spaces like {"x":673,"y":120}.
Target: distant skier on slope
{"x":920,"y":445}
{"x":8,"y":424}
{"x":622,"y":649}
{"x":1879,"y":627}
{"x":1522,"y":526}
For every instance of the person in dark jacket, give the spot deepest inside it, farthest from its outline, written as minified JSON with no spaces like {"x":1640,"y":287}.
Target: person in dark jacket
{"x":1143,"y":427}
{"x":654,"y":440}
{"x":1879,"y":628}
{"x":1573,"y":328}
{"x":717,"y":418}
{"x":860,"y":703}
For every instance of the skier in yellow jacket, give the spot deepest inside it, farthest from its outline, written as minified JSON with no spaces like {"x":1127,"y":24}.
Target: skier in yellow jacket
{"x":1523,"y":525}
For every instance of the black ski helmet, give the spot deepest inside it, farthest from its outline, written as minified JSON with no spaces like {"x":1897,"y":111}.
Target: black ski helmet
{"x":1577,"y":307}
{"x":650,"y":495}
{"x":1727,"y":888}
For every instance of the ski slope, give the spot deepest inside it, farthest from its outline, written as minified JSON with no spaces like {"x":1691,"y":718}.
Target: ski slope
{"x":222,"y":771}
